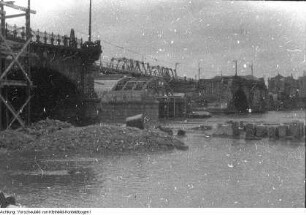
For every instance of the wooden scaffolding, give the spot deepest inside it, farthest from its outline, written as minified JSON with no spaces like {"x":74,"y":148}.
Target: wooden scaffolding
{"x":14,"y":58}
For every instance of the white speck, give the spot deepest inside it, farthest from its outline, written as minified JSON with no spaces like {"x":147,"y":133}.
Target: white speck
{"x":236,"y":202}
{"x":273,"y":188}
{"x":280,"y":200}
{"x":238,"y":41}
{"x":227,"y":155}
{"x":172,"y":41}
{"x":230,"y":165}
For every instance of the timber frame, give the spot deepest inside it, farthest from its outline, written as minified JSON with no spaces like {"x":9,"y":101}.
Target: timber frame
{"x":14,"y":54}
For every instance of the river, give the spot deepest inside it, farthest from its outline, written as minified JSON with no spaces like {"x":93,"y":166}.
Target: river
{"x":214,"y":172}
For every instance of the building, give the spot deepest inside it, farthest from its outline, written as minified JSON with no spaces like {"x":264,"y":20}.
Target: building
{"x":283,"y":92}
{"x":231,"y":94}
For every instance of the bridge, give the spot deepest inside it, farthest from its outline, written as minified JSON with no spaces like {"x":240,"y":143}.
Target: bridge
{"x":43,"y":74}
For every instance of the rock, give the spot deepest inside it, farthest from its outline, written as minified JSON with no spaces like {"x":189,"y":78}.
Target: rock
{"x":181,"y":133}
{"x":282,"y":131}
{"x":135,"y":121}
{"x":261,"y":131}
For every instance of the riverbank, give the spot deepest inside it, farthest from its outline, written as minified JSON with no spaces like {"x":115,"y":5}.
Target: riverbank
{"x":56,"y":136}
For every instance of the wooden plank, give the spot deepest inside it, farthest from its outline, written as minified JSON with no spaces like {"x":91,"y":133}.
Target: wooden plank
{"x":12,"y":110}
{"x":15,"y":15}
{"x":16,"y":117}
{"x":16,"y":61}
{"x":17,"y":7}
{"x":13,"y":83}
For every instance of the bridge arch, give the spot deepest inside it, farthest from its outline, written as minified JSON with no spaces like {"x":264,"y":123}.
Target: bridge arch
{"x":55,"y":96}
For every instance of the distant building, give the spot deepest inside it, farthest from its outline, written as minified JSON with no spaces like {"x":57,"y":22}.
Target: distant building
{"x":233,"y":94}
{"x":283,"y":92}
{"x":302,"y":86}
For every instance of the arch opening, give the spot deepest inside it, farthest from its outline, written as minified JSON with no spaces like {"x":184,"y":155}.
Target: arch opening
{"x":241,"y":101}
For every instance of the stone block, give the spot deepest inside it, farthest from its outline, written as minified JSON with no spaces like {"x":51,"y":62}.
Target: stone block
{"x":261,"y":131}
{"x":135,"y":121}
{"x":272,"y":132}
{"x":282,"y":131}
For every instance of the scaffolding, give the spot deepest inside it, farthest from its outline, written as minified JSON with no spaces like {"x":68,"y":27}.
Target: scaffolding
{"x":14,"y":58}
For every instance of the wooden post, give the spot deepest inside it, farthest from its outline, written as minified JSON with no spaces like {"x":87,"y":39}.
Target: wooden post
{"x":2,"y":66}
{"x":174,"y":108}
{"x":28,"y":66}
{"x":89,"y":33}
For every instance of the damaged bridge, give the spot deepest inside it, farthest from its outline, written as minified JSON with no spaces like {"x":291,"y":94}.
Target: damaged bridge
{"x":43,"y":74}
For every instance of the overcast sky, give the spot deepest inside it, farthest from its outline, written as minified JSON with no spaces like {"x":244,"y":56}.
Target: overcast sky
{"x":272,"y":35}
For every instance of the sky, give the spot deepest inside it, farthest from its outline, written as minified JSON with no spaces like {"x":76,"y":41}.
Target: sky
{"x":194,"y":33}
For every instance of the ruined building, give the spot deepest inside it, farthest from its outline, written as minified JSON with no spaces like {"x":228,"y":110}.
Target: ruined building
{"x":232,"y":94}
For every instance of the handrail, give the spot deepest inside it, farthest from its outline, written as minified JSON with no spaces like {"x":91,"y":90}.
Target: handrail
{"x":18,"y":33}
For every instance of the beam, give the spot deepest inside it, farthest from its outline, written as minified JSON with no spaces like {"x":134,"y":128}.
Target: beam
{"x":17,"y":7}
{"x":13,"y":83}
{"x":15,"y":15}
{"x":12,"y":110}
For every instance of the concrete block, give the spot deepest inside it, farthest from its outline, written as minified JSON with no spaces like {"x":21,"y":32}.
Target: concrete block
{"x":302,"y":129}
{"x":224,"y":130}
{"x":235,"y":127}
{"x":249,"y":130}
{"x":294,"y":130}
{"x":282,"y":131}
{"x":135,"y":121}
{"x":261,"y":131}
{"x":273,"y":132}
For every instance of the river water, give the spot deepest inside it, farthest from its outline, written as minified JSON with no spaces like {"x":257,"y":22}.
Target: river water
{"x":214,"y":172}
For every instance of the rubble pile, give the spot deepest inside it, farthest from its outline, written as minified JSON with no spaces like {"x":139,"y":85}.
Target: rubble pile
{"x":45,"y":127}
{"x":53,"y":135}
{"x":14,"y":140}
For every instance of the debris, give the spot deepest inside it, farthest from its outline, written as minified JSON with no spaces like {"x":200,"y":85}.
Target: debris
{"x":135,"y":121}
{"x":181,"y":133}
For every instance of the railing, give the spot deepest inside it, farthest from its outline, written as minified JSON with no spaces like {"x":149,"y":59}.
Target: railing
{"x":19,"y":34}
